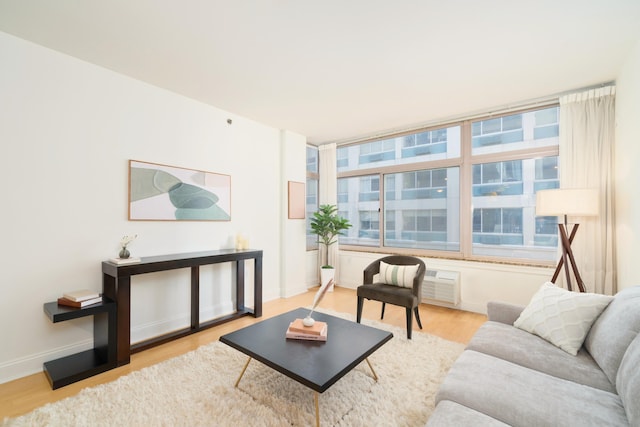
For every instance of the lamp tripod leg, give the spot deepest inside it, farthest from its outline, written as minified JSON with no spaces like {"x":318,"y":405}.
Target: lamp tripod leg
{"x":567,"y":258}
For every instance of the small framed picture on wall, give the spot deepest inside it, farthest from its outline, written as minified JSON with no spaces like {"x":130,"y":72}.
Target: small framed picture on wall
{"x":296,"y":200}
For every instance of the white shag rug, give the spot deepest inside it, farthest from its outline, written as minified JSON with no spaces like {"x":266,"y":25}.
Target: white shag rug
{"x":197,"y":389}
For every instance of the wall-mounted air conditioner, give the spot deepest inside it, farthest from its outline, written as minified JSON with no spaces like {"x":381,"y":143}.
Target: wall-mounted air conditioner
{"x":441,"y":287}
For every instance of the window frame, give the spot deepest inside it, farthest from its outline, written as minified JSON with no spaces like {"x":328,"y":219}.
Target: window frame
{"x":465,"y":162}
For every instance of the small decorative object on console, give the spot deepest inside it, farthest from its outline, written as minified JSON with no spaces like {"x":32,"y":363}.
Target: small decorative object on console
{"x":124,"y":242}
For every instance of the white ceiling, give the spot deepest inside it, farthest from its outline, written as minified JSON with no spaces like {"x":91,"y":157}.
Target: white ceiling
{"x":335,"y":70}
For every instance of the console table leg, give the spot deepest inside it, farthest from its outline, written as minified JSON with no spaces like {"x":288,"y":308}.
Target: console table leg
{"x":240,"y":285}
{"x":257,"y":287}
{"x":195,"y":297}
{"x":119,"y":290}
{"x":242,"y":373}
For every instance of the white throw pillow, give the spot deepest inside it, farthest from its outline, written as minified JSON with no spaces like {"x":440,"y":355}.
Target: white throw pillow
{"x":562,"y":317}
{"x":398,"y":275}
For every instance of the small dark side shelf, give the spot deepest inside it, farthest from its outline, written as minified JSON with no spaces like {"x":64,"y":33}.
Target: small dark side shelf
{"x":100,"y":358}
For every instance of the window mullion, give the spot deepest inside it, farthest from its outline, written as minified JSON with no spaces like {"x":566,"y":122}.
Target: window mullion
{"x":466,"y":207}
{"x":381,"y":216}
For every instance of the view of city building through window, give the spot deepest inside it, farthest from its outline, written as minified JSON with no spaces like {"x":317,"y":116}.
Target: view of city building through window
{"x":311,"y":195}
{"x":467,"y":190}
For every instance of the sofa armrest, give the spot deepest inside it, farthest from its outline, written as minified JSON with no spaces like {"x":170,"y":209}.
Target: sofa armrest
{"x":503,"y":312}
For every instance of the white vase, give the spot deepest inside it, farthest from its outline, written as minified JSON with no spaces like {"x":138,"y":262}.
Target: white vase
{"x":327,"y":274}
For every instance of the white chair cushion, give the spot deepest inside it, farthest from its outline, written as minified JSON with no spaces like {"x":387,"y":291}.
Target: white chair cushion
{"x":562,"y":317}
{"x":397,"y":275}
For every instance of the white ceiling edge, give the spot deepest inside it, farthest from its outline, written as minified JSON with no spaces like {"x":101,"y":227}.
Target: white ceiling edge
{"x":338,"y":71}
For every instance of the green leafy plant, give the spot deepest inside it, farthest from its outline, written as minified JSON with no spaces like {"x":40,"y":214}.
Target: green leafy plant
{"x":327,"y":224}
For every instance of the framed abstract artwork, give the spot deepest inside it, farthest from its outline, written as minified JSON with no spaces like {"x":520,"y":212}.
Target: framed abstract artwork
{"x":168,"y":193}
{"x":296,"y":200}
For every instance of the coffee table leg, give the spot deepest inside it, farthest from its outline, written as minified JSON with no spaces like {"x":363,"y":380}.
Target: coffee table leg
{"x":375,"y":377}
{"x":315,"y":398}
{"x":242,"y":373}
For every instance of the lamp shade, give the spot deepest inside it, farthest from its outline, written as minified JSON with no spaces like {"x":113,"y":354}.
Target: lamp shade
{"x":568,"y":201}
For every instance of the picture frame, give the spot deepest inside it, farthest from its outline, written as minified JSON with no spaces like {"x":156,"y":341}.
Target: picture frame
{"x":296,"y":192}
{"x":160,"y":192}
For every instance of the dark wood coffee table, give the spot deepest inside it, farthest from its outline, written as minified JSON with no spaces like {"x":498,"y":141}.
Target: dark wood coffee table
{"x":348,"y":343}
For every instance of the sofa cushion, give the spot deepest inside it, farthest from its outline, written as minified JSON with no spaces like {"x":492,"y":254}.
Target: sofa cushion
{"x":397,"y":275}
{"x":449,"y":413}
{"x":520,"y":396}
{"x":562,"y":317}
{"x":614,"y":330}
{"x":528,"y":350}
{"x":628,"y":382}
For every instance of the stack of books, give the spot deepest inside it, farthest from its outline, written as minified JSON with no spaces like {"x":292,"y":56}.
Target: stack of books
{"x":297,"y":331}
{"x":80,"y":298}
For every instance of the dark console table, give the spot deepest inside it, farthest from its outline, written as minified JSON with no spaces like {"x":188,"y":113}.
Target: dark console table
{"x":116,"y":283}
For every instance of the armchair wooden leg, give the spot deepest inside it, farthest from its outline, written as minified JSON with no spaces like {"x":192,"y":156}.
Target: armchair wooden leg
{"x":415,"y":310}
{"x":409,"y":322}
{"x":359,"y":310}
{"x":382,"y":314}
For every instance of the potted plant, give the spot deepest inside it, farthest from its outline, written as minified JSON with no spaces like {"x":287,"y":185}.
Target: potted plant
{"x":327,"y":224}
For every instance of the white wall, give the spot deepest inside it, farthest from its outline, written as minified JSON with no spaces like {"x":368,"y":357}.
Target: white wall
{"x":627,"y":170}
{"x":313,"y":272}
{"x":294,"y":162}
{"x":68,"y":129}
{"x":479,"y":282}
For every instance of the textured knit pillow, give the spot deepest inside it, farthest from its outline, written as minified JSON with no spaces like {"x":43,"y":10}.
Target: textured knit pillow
{"x":398,"y":275}
{"x":562,"y":317}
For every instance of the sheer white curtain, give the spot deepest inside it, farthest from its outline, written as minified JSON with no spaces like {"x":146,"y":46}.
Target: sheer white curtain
{"x":587,"y":135}
{"x":328,"y":195}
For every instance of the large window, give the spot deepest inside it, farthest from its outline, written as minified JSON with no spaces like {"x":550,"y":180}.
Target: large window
{"x":311,"y":195}
{"x":465,"y":190}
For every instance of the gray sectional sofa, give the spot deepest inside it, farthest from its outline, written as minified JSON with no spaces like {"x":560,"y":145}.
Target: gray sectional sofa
{"x":507,"y":376}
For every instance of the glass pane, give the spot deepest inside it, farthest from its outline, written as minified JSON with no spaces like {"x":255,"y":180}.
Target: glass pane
{"x":547,"y":168}
{"x":358,"y":201}
{"x":424,"y":217}
{"x":311,"y":207}
{"x":496,"y":179}
{"x":504,"y":221}
{"x":546,"y":231}
{"x":512,"y":122}
{"x":547,"y":116}
{"x":423,"y":179}
{"x":491,"y":126}
{"x":515,"y":132}
{"x":312,"y":160}
{"x":546,"y":175}
{"x":424,"y":146}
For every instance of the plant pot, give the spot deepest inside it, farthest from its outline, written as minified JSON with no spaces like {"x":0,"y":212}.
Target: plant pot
{"x":327,"y":274}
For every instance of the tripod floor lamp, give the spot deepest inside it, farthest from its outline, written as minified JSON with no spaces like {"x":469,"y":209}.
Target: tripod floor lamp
{"x":568,"y":202}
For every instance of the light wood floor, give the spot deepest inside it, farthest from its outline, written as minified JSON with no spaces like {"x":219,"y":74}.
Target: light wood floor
{"x":25,"y":394}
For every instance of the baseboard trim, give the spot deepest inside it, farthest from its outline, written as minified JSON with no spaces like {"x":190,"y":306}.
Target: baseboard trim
{"x":32,"y":364}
